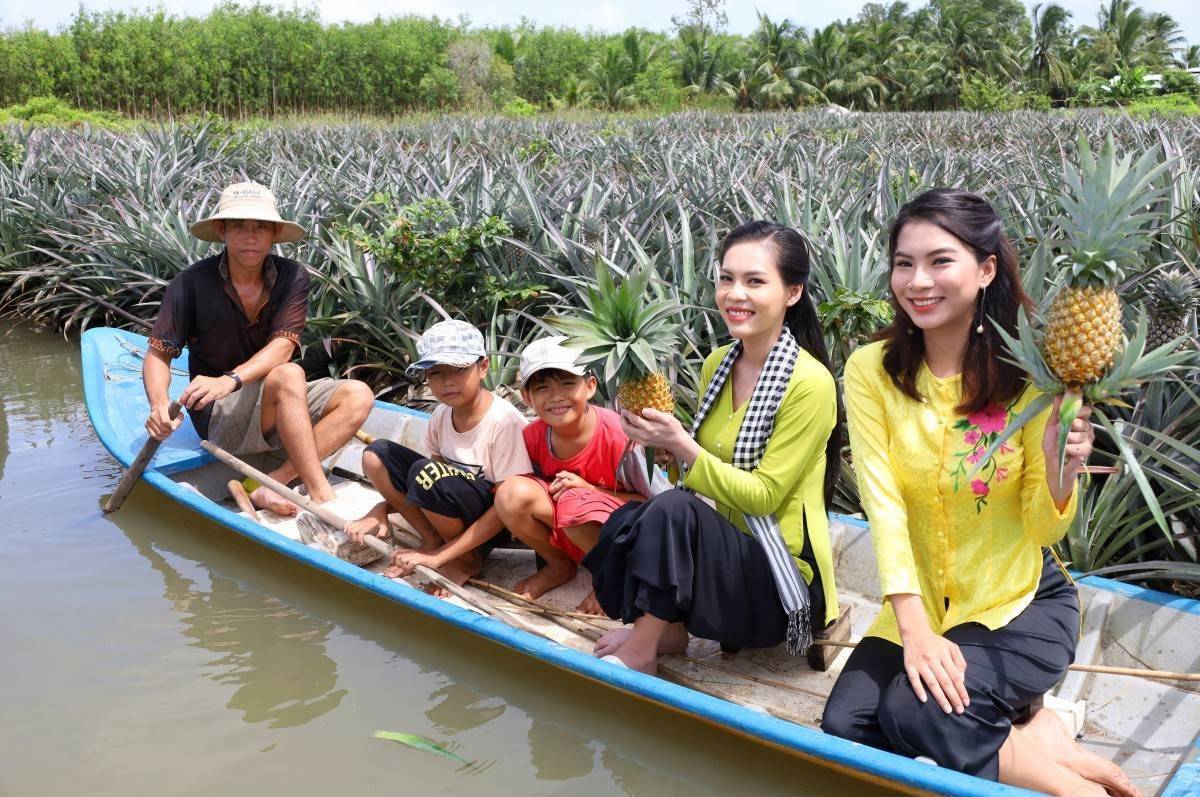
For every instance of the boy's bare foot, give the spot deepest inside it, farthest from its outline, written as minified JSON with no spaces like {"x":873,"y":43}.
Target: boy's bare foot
{"x":1048,"y":731}
{"x":674,"y":640}
{"x":459,"y":571}
{"x":590,"y":605}
{"x":265,"y":499}
{"x":552,"y":575}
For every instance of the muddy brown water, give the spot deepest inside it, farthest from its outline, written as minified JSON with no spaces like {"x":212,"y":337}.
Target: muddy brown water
{"x":154,"y":652}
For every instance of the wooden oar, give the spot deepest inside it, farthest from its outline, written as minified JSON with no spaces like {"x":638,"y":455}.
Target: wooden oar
{"x":339,"y":523}
{"x":367,"y":439}
{"x":138,"y":467}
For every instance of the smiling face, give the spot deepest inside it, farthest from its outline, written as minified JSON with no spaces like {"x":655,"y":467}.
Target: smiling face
{"x":457,"y":386}
{"x":751,"y":294}
{"x":248,"y":241}
{"x":559,"y":398}
{"x":936,"y":278}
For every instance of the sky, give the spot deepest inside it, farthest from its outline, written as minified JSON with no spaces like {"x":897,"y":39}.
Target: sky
{"x":606,"y":15}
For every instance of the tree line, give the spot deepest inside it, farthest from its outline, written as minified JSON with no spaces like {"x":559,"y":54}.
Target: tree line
{"x":259,"y":60}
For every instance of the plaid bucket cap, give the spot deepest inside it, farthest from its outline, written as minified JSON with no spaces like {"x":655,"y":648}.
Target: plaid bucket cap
{"x":454,"y":343}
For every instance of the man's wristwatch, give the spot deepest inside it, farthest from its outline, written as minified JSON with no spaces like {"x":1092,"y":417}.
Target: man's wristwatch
{"x":237,"y":380}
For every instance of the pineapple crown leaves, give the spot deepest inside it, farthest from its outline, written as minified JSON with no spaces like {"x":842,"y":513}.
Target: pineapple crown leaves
{"x":1103,"y":213}
{"x":1174,"y":292}
{"x":619,"y":328}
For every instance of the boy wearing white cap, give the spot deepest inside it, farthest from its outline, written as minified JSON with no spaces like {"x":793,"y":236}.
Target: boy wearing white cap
{"x":240,"y":313}
{"x":575,"y":448}
{"x":474,"y":439}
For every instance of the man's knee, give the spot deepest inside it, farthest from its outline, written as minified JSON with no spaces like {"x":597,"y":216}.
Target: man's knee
{"x":357,"y":397}
{"x":285,"y":378}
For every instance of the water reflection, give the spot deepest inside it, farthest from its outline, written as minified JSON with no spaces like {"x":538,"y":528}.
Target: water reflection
{"x":4,"y":447}
{"x":274,"y":653}
{"x":460,"y":708}
{"x":558,"y":753}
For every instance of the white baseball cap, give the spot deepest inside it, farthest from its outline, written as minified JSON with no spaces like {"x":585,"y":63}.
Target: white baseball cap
{"x":546,"y":354}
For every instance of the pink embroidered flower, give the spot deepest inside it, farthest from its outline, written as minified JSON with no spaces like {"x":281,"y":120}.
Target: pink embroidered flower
{"x":1005,"y":448}
{"x":990,"y":419}
{"x":980,"y":487}
{"x":974,"y":457}
{"x":1001,"y":474}
{"x":971,"y":437}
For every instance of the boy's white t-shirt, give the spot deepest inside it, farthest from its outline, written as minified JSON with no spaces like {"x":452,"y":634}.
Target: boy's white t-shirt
{"x":495,"y":448}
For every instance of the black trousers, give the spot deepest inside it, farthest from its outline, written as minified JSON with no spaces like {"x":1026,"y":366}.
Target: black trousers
{"x":676,"y":558}
{"x":1007,"y":669}
{"x":437,"y":486}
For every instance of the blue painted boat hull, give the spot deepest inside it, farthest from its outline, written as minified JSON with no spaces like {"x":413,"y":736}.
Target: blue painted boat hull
{"x":117,"y":408}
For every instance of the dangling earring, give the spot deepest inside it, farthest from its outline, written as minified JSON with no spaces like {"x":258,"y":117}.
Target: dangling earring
{"x":982,"y":299}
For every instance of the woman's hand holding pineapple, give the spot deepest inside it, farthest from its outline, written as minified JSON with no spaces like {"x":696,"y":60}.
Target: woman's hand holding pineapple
{"x":661,"y":431}
{"x":1079,"y":447}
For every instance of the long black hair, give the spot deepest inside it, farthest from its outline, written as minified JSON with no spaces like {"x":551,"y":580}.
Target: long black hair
{"x":791,"y":259}
{"x":987,"y":377}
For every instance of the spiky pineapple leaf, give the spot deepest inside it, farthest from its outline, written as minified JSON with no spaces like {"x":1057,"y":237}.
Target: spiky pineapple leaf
{"x":1135,"y":468}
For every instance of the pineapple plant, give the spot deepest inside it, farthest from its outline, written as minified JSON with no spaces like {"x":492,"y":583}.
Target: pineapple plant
{"x":1081,"y":354}
{"x":1173,"y":296}
{"x":629,"y":335}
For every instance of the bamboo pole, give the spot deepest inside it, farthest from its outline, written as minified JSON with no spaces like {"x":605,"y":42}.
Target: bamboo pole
{"x":333,"y":519}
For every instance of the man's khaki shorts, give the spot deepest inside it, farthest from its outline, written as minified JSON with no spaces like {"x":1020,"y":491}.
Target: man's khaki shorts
{"x":236,"y":421}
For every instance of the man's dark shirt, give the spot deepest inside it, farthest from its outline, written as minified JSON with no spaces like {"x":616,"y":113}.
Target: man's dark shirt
{"x":201,"y":310}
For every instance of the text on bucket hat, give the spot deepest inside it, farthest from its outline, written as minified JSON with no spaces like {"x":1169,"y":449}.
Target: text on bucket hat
{"x":447,"y":343}
{"x":251,"y":201}
{"x":546,"y":354}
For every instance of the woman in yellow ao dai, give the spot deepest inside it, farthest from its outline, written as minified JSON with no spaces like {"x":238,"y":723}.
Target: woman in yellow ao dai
{"x":979,"y":619}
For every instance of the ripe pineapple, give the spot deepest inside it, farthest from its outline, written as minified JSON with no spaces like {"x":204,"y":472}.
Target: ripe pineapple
{"x":1102,"y":226}
{"x":1173,"y":297}
{"x":1082,"y":354}
{"x":630,"y":332}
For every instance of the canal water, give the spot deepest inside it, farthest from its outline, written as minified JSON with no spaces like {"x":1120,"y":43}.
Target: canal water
{"x":152,"y":652}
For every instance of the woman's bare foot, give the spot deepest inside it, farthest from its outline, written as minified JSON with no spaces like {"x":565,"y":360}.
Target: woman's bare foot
{"x":590,"y":605}
{"x":1048,"y":731}
{"x":649,"y":639}
{"x":552,"y":575}
{"x":674,"y":640}
{"x":265,"y":499}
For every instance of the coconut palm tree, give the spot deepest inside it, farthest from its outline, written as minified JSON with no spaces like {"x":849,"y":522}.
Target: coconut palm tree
{"x":1051,"y":40}
{"x":698,"y":58}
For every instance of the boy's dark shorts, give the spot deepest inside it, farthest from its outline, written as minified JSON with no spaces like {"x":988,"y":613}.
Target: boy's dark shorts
{"x":438,"y":487}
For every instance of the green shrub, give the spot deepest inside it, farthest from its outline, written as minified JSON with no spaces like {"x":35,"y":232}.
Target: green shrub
{"x":11,"y":152}
{"x":1036,"y":102}
{"x":53,"y":111}
{"x":987,"y":94}
{"x":1179,"y":81}
{"x":1166,"y":105}
{"x":439,"y":88}
{"x":519,"y":108}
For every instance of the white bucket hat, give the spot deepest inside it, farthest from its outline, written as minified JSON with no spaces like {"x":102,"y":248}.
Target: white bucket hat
{"x":247,"y":201}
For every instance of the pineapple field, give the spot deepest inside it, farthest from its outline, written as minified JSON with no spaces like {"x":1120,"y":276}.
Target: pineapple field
{"x":606,"y":229}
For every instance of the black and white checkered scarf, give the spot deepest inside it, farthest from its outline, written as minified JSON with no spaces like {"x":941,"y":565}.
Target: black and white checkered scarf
{"x":752,"y":439}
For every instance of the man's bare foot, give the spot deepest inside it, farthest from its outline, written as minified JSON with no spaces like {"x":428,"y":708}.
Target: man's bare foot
{"x":674,"y":640}
{"x":551,"y":576}
{"x":1048,"y":731}
{"x":459,"y":571}
{"x":265,"y":499}
{"x":590,"y":605}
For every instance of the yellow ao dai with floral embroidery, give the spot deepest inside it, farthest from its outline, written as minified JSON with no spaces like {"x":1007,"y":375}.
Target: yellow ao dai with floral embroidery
{"x":970,"y":546}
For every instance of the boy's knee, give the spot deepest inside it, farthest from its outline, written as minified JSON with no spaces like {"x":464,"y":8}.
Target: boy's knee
{"x":517,"y":496}
{"x":422,"y":475}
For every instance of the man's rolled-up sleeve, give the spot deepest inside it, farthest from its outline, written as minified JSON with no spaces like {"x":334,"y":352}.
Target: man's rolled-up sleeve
{"x":293,"y":311}
{"x":173,"y":326}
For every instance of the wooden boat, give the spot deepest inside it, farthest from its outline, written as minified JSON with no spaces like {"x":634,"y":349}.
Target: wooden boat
{"x":1148,"y":727}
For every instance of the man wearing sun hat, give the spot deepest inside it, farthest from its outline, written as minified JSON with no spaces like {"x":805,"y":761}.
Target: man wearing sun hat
{"x":240,"y":313}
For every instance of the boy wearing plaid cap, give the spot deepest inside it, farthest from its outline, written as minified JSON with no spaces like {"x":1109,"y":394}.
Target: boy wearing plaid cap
{"x":475,"y":442}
